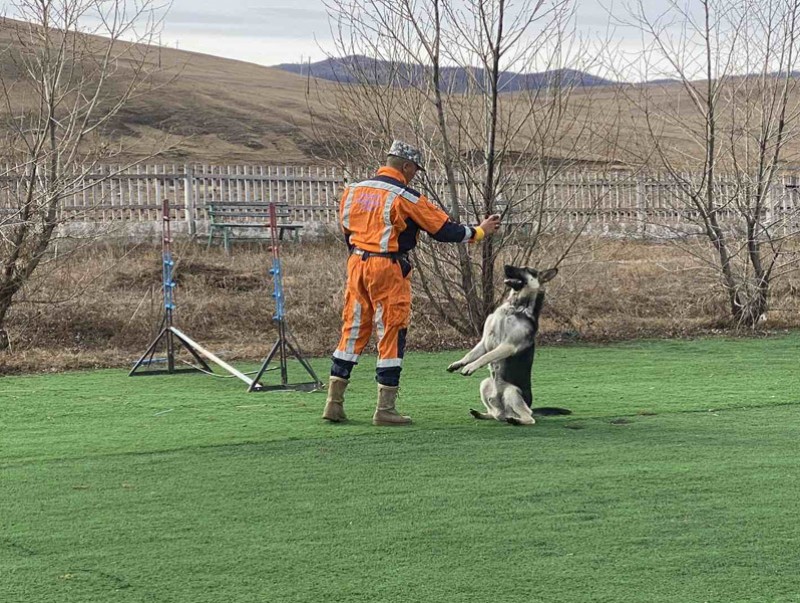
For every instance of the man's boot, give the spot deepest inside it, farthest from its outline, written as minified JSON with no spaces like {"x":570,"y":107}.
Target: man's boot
{"x":334,"y":406}
{"x":385,"y":413}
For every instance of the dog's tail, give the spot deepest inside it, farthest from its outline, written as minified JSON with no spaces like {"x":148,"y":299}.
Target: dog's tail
{"x":547,"y":411}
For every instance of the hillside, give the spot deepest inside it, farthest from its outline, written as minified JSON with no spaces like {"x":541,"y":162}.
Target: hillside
{"x":211,"y":109}
{"x":207,"y":109}
{"x":456,"y":80}
{"x":225,"y":111}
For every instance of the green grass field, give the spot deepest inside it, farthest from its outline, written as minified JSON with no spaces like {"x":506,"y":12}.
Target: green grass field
{"x":675,"y":480}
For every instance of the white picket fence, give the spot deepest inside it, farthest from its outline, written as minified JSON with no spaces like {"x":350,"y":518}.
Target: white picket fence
{"x":614,"y":202}
{"x":135,"y":194}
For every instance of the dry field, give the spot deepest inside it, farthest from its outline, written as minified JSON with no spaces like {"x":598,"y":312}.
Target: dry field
{"x":207,"y":109}
{"x":101,"y":306}
{"x":201,"y":108}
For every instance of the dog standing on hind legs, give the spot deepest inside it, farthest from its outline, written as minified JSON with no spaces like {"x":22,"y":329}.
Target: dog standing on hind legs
{"x":508,"y":346}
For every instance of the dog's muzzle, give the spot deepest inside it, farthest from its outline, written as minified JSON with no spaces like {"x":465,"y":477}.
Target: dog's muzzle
{"x":514,"y":277}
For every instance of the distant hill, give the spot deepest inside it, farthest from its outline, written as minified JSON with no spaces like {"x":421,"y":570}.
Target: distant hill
{"x":454,"y":79}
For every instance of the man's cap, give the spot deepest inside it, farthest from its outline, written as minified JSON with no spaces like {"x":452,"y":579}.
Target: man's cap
{"x":406,"y":151}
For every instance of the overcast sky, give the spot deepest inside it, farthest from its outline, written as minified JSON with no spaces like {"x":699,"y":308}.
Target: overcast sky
{"x":270,"y":32}
{"x":267,"y":32}
{"x":279,"y":31}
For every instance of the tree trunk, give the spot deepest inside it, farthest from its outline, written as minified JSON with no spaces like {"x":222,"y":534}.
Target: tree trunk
{"x":5,"y":305}
{"x":487,"y":252}
{"x":487,"y":257}
{"x":750,"y":309}
{"x":467,"y":276}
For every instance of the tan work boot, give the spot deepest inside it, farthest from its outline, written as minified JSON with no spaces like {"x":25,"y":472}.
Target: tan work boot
{"x":334,"y":406}
{"x":385,"y":413}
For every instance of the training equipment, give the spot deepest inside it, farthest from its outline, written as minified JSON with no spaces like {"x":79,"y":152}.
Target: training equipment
{"x":285,"y":343}
{"x":168,"y":335}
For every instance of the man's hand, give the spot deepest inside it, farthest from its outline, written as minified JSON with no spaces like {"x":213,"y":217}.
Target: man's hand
{"x":490,"y":224}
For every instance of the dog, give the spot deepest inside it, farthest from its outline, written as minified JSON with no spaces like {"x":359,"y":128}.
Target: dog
{"x":508,"y":346}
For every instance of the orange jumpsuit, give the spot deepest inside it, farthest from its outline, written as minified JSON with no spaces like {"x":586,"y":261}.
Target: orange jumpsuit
{"x":381,"y":219}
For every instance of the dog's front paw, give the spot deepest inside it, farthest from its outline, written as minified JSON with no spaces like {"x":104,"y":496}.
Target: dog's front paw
{"x":455,"y":366}
{"x":469,"y":369}
{"x":515,"y":421}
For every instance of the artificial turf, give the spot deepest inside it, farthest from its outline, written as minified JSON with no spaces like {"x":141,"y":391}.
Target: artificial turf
{"x":675,"y":480}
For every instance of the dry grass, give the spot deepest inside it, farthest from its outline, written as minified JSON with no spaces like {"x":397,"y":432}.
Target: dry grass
{"x":101,"y":306}
{"x":196,"y":108}
{"x":206,"y":109}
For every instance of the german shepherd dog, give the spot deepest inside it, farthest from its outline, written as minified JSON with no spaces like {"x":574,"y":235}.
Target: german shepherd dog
{"x":508,"y":346}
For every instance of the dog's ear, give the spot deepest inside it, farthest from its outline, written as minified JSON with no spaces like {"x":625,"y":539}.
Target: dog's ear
{"x":547,"y":275}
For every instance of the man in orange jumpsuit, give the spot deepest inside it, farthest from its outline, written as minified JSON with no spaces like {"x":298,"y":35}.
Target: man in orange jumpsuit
{"x":381,"y":219}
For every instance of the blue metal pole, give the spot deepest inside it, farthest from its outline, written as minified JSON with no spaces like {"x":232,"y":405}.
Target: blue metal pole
{"x":277,"y":283}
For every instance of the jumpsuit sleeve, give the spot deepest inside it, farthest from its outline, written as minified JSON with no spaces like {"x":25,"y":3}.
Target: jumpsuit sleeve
{"x":436,"y":222}
{"x":345,"y":231}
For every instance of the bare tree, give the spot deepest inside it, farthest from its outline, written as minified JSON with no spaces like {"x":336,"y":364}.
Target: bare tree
{"x":440,"y":73}
{"x":722,"y":128}
{"x":68,"y":68}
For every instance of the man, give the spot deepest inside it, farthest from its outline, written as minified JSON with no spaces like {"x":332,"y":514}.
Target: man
{"x":381,"y":219}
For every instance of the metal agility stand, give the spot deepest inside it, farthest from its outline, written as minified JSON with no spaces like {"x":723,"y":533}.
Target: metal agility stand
{"x":168,"y":335}
{"x":285,"y":343}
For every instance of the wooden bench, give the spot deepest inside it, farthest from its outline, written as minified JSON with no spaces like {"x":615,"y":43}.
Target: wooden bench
{"x":225,"y":217}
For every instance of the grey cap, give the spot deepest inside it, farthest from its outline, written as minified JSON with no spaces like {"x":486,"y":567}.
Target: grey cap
{"x":406,"y":151}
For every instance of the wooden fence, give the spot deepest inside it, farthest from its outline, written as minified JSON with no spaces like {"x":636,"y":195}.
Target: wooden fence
{"x":614,"y":201}
{"x":135,"y":194}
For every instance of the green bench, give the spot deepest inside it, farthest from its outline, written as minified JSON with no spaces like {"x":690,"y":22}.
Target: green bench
{"x":227,"y":218}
